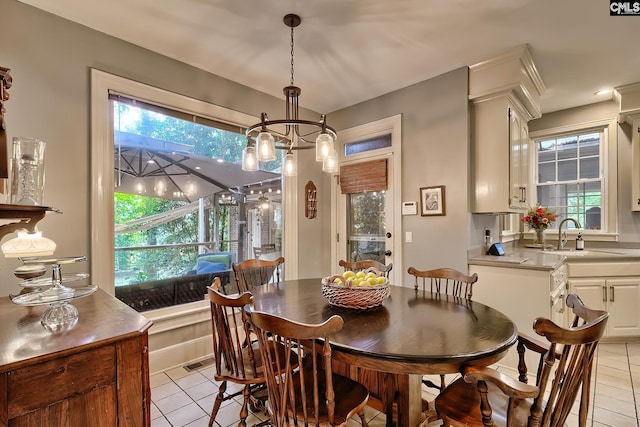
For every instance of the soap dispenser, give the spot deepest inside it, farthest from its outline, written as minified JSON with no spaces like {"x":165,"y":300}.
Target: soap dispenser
{"x":579,"y":242}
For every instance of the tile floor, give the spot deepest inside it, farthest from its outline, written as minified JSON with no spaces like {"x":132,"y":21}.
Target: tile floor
{"x":185,"y":398}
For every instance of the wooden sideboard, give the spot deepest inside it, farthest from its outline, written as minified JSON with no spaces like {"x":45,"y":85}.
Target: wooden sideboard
{"x":96,"y":374}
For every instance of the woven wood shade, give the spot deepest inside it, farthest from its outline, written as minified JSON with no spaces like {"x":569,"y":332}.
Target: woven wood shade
{"x":362,"y":177}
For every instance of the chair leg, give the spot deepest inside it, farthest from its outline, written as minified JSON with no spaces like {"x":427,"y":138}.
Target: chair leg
{"x":218,"y":402}
{"x":244,"y":411}
{"x":361,"y":415}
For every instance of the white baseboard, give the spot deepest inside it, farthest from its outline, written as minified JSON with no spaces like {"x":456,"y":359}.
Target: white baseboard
{"x":179,"y":354}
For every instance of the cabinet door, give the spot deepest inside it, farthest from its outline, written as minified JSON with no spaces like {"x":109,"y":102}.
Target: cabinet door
{"x":592,"y":292}
{"x":518,"y":161}
{"x":623,"y":304}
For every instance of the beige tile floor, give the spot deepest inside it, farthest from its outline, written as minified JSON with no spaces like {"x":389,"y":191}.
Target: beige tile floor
{"x":185,"y":398}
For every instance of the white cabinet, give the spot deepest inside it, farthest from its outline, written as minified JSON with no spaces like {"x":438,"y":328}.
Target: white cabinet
{"x":635,"y":170}
{"x":630,"y":113}
{"x":619,"y":296}
{"x":505,"y":94}
{"x":500,"y":157}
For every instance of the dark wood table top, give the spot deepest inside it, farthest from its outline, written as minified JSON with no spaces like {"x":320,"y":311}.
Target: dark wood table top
{"x":102,"y":319}
{"x":413,"y":332}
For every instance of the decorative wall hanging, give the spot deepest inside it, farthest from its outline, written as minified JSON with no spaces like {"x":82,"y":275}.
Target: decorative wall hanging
{"x":310,"y":200}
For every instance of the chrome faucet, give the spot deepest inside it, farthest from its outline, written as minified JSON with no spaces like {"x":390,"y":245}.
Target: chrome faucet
{"x":562,"y":239}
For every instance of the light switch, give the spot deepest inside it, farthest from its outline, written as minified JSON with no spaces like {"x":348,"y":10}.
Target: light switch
{"x":408,"y":237}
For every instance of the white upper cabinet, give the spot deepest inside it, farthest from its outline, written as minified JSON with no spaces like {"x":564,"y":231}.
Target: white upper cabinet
{"x":630,"y":113}
{"x":505,"y":94}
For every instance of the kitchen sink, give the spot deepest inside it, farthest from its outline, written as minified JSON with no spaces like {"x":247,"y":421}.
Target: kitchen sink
{"x":569,"y":252}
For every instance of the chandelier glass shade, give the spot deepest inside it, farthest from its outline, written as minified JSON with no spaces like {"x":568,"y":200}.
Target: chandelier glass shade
{"x":293,"y":133}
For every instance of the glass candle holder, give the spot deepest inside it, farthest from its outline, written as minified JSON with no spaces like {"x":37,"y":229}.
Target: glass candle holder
{"x":26,"y":186}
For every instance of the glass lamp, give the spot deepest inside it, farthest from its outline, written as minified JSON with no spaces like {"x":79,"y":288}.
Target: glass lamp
{"x":28,"y":245}
{"x":324,"y":146}
{"x":249,"y":159}
{"x":266,"y":146}
{"x":289,"y":167}
{"x":330,"y":164}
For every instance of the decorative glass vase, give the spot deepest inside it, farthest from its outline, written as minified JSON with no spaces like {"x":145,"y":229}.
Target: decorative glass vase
{"x":538,"y":238}
{"x":26,"y":185}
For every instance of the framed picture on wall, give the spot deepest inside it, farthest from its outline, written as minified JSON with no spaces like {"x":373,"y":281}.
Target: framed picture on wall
{"x":432,"y":201}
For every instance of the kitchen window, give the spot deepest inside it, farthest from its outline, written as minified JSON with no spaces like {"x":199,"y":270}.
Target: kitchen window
{"x":571,"y":175}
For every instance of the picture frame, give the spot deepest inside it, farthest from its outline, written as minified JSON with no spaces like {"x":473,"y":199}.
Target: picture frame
{"x":432,"y":201}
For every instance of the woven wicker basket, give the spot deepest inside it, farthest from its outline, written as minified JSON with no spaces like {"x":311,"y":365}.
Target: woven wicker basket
{"x":359,"y":297}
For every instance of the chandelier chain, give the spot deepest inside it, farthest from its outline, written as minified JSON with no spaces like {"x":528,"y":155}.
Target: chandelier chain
{"x":291,"y":56}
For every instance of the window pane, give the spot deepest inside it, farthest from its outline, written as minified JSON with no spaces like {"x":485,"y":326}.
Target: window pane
{"x":582,"y":202}
{"x":590,"y":167}
{"x":183,"y":208}
{"x":567,"y":148}
{"x":546,"y":172}
{"x":547,"y":151}
{"x":381,"y":141}
{"x":590,"y":145}
{"x":567,"y":170}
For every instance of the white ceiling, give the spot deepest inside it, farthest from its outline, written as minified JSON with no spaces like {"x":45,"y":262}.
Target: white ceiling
{"x":348,"y":51}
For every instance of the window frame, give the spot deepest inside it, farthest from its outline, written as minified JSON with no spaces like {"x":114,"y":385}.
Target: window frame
{"x":608,"y":165}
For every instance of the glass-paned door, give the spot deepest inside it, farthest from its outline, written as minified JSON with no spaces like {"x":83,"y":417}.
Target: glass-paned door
{"x":366,"y":226}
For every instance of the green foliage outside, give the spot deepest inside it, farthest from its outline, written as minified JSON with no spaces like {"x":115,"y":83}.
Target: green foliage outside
{"x":142,"y":265}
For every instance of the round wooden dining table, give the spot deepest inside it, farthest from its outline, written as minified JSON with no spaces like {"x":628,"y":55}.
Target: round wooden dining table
{"x":390,"y":347}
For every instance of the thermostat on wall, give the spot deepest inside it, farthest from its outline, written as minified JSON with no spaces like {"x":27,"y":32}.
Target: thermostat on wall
{"x":409,"y":208}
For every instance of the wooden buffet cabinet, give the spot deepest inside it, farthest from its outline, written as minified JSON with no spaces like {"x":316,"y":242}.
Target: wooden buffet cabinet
{"x":96,"y":374}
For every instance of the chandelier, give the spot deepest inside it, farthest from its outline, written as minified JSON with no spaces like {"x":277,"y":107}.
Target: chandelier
{"x":294,"y":133}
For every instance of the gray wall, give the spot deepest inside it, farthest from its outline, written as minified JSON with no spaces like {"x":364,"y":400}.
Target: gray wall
{"x":435,"y":150}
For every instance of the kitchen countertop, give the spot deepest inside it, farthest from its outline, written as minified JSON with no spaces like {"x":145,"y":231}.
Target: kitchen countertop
{"x":536,"y":259}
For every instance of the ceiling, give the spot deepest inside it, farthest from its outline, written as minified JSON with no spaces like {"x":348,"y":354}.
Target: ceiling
{"x":348,"y":51}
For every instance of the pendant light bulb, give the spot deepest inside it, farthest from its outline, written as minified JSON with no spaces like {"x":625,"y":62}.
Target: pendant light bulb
{"x":330,"y":164}
{"x":266,"y":147}
{"x":324,"y":146}
{"x":249,"y":160}
{"x":289,"y":165}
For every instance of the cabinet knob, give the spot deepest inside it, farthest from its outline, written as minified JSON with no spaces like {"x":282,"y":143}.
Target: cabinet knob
{"x":387,"y":252}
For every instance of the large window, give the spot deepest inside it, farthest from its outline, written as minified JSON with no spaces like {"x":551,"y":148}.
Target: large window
{"x":570,"y":176}
{"x":171,"y":206}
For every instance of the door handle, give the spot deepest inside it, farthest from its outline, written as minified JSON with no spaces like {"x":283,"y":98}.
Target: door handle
{"x":604,"y":293}
{"x":387,"y":252}
{"x":613,"y":295}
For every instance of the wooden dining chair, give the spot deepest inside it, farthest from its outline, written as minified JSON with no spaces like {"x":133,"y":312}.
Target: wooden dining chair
{"x":443,"y":281}
{"x":311,"y":395}
{"x":368,"y":263}
{"x":255,"y":272}
{"x":237,"y":358}
{"x":486,"y":397}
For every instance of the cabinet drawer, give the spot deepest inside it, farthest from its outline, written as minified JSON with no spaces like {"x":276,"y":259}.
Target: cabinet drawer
{"x":43,"y":384}
{"x":603,"y":269}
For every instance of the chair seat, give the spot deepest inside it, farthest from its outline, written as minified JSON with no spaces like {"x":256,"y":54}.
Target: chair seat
{"x":459,"y":405}
{"x":351,"y":396}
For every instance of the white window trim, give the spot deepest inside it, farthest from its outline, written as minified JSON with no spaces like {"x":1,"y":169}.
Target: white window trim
{"x":102,"y":177}
{"x":608,"y":151}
